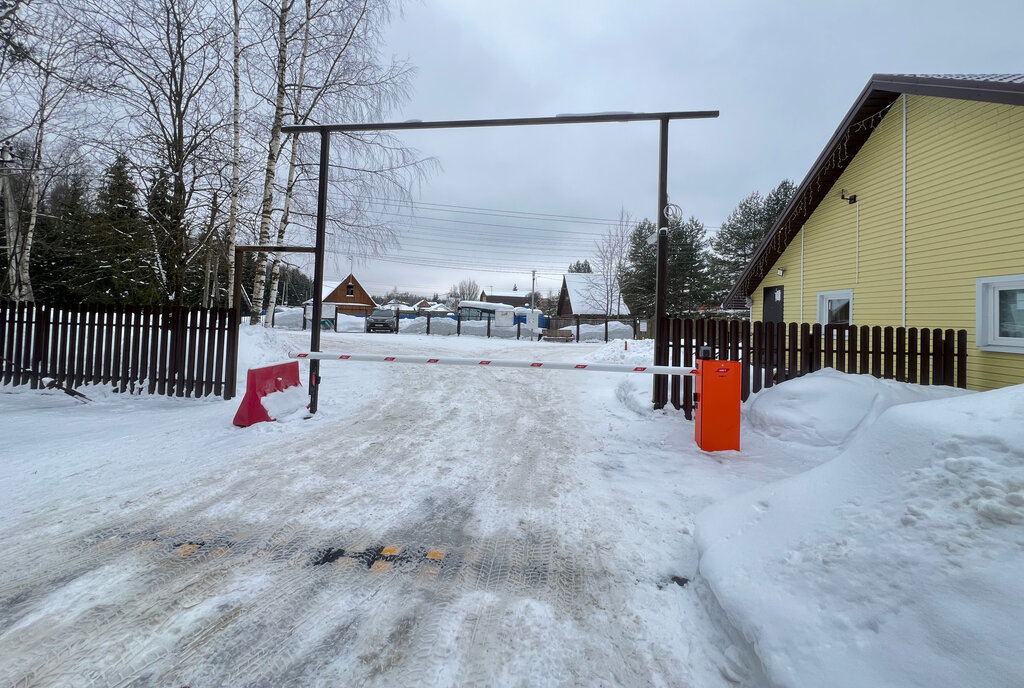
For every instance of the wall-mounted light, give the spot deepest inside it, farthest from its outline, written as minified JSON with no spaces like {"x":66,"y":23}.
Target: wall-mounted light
{"x":780,"y":272}
{"x":852,"y":198}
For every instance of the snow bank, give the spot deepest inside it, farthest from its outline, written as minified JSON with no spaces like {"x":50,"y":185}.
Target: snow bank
{"x":826,"y":408}
{"x":439,"y":324}
{"x":349,"y":323}
{"x":288,"y":317}
{"x":595,"y":333}
{"x":258,"y":347}
{"x":899,"y":563}
{"x":287,"y":405}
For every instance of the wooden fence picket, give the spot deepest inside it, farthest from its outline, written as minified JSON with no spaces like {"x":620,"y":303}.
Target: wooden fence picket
{"x":772,"y":353}
{"x":177,"y":351}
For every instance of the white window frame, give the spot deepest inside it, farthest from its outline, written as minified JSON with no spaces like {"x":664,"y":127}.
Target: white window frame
{"x":825,"y":296}
{"x":986,"y":333}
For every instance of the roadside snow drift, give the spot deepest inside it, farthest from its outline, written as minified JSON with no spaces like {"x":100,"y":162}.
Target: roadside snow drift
{"x":900,"y":562}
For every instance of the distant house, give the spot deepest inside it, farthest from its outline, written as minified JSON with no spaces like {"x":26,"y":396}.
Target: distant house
{"x":590,"y":293}
{"x":349,"y":298}
{"x":911,"y":216}
{"x":510,"y":298}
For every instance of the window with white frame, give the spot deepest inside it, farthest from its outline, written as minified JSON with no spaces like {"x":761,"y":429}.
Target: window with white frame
{"x":835,"y":307}
{"x":1000,"y":313}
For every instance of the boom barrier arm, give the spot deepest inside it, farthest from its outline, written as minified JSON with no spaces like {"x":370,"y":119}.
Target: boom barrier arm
{"x":496,"y":363}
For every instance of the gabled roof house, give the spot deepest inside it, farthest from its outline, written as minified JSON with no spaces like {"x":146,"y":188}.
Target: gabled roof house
{"x":912,"y":215}
{"x":589,"y":293}
{"x":350,"y":298}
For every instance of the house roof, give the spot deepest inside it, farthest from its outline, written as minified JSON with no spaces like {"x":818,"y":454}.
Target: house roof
{"x":881,"y":91}
{"x":485,"y":305}
{"x":502,"y":294}
{"x":586,"y":291}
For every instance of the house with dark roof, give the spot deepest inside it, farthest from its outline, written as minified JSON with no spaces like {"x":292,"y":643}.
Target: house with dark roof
{"x":590,"y":293}
{"x":511,"y":298}
{"x":912,"y":215}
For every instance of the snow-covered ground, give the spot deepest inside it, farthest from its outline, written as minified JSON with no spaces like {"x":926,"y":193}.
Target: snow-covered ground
{"x":444,"y":526}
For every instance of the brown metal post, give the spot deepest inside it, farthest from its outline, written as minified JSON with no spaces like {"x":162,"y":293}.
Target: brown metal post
{"x":661,"y":334}
{"x":318,"y":269}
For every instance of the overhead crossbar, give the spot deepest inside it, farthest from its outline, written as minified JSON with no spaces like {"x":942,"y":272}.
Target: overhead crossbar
{"x":495,"y":363}
{"x":325,"y":131}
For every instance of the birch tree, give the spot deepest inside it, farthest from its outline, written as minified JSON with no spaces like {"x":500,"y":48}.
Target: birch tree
{"x":163,"y":58}
{"x":48,"y":67}
{"x":334,"y":73}
{"x":611,"y":252}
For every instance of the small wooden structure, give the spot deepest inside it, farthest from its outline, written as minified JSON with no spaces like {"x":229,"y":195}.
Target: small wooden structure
{"x":349,"y":298}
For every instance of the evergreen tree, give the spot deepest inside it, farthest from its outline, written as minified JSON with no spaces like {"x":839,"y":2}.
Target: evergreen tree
{"x":580,"y":266}
{"x":742,"y":232}
{"x":119,"y":268}
{"x":687,"y":282}
{"x":60,"y":243}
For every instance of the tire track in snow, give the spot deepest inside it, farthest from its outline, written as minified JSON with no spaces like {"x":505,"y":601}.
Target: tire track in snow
{"x":476,"y":465}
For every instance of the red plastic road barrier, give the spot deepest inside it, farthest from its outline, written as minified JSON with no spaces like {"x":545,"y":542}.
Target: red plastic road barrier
{"x":259,"y":383}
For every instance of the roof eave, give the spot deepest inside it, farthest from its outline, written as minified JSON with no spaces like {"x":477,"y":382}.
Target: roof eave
{"x":880,"y":92}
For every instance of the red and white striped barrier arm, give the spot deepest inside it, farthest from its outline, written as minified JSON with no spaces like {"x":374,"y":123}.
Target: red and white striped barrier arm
{"x":496,"y":363}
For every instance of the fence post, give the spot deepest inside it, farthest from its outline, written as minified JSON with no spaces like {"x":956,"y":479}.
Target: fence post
{"x":816,"y":339}
{"x":745,"y":356}
{"x":938,"y":358}
{"x":926,"y":356}
{"x":889,"y":352}
{"x":780,"y":352}
{"x":830,"y":346}
{"x":577,"y":328}
{"x":758,"y":346}
{"x":901,"y":354}
{"x":769,"y":354}
{"x":948,"y":364}
{"x":876,"y":351}
{"x":687,"y":356}
{"x":458,"y":323}
{"x":961,"y":359}
{"x":231,"y":362}
{"x":428,"y":322}
{"x":488,"y":325}
{"x":606,"y":332}
{"x":675,"y":344}
{"x":397,"y":318}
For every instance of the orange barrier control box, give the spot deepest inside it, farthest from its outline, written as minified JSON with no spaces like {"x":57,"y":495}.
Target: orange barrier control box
{"x":717,"y":392}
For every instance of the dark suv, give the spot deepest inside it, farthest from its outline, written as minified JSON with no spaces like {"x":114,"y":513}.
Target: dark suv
{"x":381,"y":320}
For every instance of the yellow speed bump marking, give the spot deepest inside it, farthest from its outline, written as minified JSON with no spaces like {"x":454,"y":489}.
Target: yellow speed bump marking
{"x":436,"y":554}
{"x":380,"y":566}
{"x":391,"y":550}
{"x":186,"y":550}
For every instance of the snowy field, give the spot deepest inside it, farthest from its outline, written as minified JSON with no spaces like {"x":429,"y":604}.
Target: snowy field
{"x":493,"y":527}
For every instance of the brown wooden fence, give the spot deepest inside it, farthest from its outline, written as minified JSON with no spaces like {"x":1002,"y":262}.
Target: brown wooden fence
{"x":776,"y":352}
{"x":158,"y":349}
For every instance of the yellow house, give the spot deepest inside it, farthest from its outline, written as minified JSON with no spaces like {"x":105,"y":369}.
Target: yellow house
{"x":913,"y":215}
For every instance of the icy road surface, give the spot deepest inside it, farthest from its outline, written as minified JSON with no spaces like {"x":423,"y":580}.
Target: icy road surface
{"x":430,"y":526}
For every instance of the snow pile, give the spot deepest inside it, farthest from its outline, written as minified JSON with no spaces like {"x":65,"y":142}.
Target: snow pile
{"x":258,"y":347}
{"x":439,"y":324}
{"x":827,"y":408}
{"x":288,"y":317}
{"x":349,"y":323}
{"x":899,"y":563}
{"x":628,"y":351}
{"x":595,"y":333}
{"x":287,"y":405}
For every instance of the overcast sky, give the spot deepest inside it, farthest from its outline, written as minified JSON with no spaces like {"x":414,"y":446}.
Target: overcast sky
{"x":783,"y":74}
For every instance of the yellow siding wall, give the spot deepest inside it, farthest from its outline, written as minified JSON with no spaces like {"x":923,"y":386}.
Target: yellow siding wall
{"x":965,"y":219}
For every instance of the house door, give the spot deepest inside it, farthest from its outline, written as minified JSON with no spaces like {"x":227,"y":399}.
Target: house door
{"x":772,"y":304}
